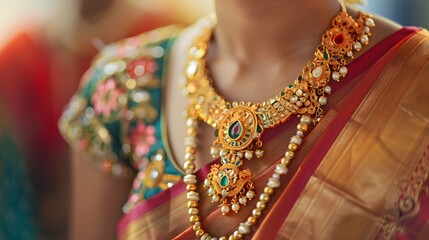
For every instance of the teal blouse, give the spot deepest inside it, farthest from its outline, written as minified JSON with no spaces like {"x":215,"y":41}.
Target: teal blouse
{"x":115,"y":118}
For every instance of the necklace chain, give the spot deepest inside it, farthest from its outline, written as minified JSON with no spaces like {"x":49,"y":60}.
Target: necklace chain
{"x":239,"y":125}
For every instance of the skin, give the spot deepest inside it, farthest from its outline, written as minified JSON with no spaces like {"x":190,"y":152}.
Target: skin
{"x":255,"y":42}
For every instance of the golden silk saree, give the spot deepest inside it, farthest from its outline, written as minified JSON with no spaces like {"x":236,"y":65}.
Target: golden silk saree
{"x":362,"y":173}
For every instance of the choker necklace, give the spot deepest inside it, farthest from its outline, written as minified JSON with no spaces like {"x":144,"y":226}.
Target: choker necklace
{"x":239,"y":125}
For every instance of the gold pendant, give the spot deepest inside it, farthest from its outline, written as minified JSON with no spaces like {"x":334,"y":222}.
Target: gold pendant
{"x":238,"y":129}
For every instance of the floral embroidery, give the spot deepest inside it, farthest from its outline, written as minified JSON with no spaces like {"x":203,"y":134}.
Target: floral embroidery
{"x":410,"y":192}
{"x":105,"y":98}
{"x":112,"y":120}
{"x":142,"y":138}
{"x":141,"y":67}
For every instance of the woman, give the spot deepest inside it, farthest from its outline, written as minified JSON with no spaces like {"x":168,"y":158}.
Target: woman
{"x":359,"y":174}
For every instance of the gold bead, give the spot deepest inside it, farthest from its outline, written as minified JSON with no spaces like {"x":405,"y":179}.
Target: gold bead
{"x":303,"y":127}
{"x":238,"y":235}
{"x":191,"y":187}
{"x":192,"y":204}
{"x":199,"y":233}
{"x":289,"y":154}
{"x":191,"y":131}
{"x":264,"y":197}
{"x":251,"y":220}
{"x":268,"y":190}
{"x":189,"y":165}
{"x":196,"y":227}
{"x":223,"y":238}
{"x":292,"y":147}
{"x":194,"y":218}
{"x":260,"y":205}
{"x":190,"y":149}
{"x":285,"y":161}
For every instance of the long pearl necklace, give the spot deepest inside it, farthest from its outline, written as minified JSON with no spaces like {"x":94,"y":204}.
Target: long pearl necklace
{"x":305,"y":98}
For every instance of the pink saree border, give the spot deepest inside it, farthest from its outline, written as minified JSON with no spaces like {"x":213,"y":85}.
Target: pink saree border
{"x":313,"y":159}
{"x":308,"y":167}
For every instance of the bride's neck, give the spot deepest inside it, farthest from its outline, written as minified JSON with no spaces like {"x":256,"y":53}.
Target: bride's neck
{"x":255,"y":29}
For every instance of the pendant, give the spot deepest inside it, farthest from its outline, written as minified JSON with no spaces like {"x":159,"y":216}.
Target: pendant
{"x":237,"y":138}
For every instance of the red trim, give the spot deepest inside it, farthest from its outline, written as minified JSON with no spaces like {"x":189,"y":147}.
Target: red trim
{"x":327,"y":139}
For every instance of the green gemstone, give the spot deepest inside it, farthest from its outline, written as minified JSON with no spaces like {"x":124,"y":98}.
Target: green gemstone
{"x":283,"y":93}
{"x":216,"y":132}
{"x":247,"y":135}
{"x":224,"y":181}
{"x":244,"y":139}
{"x":325,"y":55}
{"x":299,"y":78}
{"x":224,"y":160}
{"x":235,"y":130}
{"x":259,"y":128}
{"x":238,"y":163}
{"x":290,"y":85}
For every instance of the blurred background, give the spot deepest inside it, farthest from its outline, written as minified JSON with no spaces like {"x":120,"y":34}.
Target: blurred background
{"x":45,"y":46}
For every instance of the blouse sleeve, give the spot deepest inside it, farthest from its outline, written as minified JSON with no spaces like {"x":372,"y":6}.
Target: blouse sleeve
{"x":118,"y":99}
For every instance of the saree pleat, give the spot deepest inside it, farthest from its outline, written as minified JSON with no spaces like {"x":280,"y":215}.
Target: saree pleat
{"x":357,"y":182}
{"x":343,"y":184}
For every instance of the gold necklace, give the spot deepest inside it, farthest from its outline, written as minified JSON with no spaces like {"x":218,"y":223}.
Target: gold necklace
{"x":239,"y":125}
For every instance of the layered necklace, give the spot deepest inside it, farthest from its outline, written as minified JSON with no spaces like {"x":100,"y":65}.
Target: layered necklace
{"x":238,"y":126}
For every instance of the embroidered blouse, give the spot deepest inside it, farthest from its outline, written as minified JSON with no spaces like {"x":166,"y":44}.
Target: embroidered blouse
{"x":115,"y":118}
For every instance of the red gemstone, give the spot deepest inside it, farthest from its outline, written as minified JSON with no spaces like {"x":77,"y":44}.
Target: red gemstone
{"x":338,"y":39}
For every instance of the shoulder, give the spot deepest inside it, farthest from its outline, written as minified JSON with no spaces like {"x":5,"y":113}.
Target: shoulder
{"x":121,"y":90}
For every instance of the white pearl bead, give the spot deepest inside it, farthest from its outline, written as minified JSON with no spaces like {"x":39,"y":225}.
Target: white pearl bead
{"x":299,"y":92}
{"x":364,"y":40}
{"x":336,"y":76}
{"x":211,"y":191}
{"x":276,"y":176}
{"x":242,"y":200}
{"x":296,"y":139}
{"x":305,"y":119}
{"x":281,"y":168}
{"x":215,"y":198}
{"x":206,"y":236}
{"x":214,"y":151}
{"x":357,"y":46}
{"x":294,"y":99}
{"x":207,"y":183}
{"x":323,"y":100}
{"x":366,"y":30}
{"x":193,"y":196}
{"x":222,"y":153}
{"x":328,"y":89}
{"x":235,"y":207}
{"x":250,"y":194}
{"x":248,"y":155}
{"x":300,"y":133}
{"x":225,"y":209}
{"x":191,"y":122}
{"x":343,"y":71}
{"x":244,"y":228}
{"x":350,"y":54}
{"x":273,"y":183}
{"x":369,"y":22}
{"x":190,"y":179}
